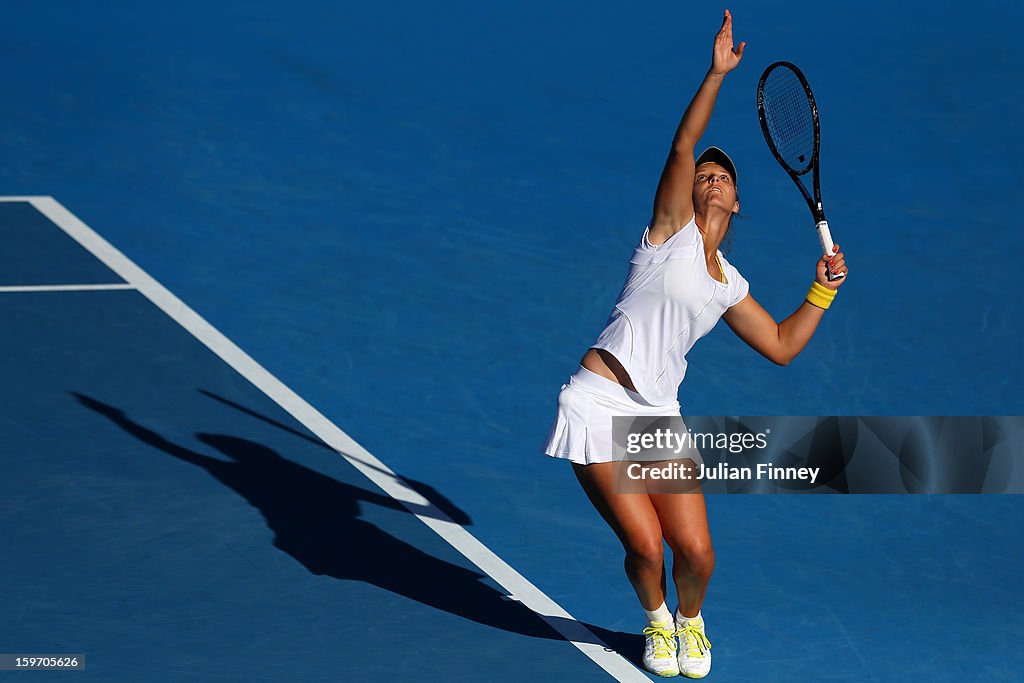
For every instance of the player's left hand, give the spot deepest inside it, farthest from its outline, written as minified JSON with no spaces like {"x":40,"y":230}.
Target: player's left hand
{"x":838,"y":265}
{"x":725,"y":57}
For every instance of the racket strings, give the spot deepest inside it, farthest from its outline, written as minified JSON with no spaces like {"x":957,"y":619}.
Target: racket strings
{"x":789,"y":118}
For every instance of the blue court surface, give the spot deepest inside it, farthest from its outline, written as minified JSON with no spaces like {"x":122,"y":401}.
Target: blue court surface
{"x":288,"y":291}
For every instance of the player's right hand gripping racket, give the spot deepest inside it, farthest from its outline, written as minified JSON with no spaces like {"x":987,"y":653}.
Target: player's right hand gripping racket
{"x":789,"y":121}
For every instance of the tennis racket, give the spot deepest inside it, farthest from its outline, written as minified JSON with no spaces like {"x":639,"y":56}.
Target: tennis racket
{"x":789,"y":121}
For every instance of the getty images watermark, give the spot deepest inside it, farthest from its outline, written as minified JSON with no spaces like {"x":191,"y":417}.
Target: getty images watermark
{"x":662,"y":455}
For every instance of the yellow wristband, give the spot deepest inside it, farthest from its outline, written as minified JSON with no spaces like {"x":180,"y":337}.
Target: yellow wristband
{"x":820,"y":295}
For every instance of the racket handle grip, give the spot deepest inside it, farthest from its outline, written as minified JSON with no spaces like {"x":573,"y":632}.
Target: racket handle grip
{"x":828,"y":247}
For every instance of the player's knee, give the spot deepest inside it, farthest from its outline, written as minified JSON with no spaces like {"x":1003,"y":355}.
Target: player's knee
{"x":696,"y":554}
{"x":646,"y":551}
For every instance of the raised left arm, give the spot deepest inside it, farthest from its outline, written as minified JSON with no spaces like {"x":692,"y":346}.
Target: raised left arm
{"x":673,"y":201}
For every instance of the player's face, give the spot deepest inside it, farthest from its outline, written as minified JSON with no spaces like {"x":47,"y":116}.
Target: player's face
{"x":714,"y":187}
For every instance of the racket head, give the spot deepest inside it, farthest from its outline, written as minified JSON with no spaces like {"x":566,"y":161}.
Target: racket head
{"x":789,"y":117}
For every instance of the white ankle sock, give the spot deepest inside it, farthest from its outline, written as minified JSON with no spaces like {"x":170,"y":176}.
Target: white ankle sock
{"x":680,"y":618}
{"x":660,"y":615}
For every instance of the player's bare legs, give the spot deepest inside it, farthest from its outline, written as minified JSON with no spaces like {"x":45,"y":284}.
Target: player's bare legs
{"x":633,"y":518}
{"x":684,"y":523}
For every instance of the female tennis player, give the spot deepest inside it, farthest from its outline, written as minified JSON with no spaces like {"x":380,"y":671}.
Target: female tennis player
{"x":679,"y":285}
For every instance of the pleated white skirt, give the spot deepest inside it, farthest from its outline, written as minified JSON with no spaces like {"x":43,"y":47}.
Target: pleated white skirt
{"x":582,"y":431}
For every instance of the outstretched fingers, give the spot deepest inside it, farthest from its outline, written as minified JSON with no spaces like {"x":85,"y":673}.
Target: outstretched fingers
{"x":727,"y":28}
{"x":726,"y":54}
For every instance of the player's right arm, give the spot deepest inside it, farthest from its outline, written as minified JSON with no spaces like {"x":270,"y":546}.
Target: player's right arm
{"x":781,"y":342}
{"x":673,"y":201}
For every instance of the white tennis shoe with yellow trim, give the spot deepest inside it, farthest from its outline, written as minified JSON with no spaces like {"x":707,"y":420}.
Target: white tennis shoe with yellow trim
{"x":694,"y":648}
{"x":660,"y":648}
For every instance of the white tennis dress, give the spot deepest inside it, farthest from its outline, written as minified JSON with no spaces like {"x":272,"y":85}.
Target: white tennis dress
{"x":668,"y":302}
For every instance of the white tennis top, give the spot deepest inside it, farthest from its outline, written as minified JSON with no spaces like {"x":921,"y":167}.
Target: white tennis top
{"x":668,"y":302}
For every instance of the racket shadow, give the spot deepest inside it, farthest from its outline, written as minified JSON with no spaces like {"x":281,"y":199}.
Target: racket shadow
{"x":316,"y":520}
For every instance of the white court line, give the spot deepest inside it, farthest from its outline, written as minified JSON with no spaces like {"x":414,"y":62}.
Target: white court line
{"x":518,"y":586}
{"x":64,"y":288}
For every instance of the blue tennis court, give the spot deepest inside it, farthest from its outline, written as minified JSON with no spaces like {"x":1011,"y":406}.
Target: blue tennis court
{"x":289,"y":289}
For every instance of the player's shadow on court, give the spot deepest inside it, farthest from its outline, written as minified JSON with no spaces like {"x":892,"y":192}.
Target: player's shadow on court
{"x":315,"y":519}
{"x":439,"y":501}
